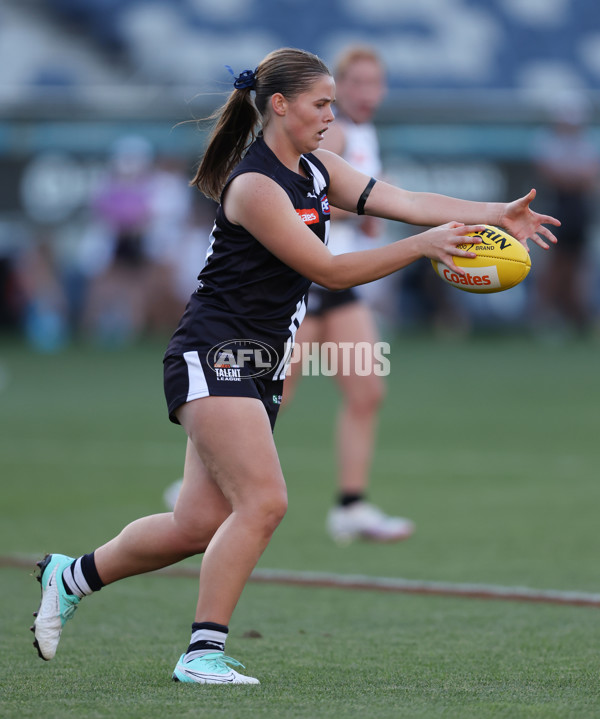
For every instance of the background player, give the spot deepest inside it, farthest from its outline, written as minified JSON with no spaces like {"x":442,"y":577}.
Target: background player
{"x":346,"y":316}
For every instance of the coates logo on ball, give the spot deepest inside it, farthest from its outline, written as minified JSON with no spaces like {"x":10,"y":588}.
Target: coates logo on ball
{"x":234,"y":360}
{"x":485,"y":278}
{"x":501,"y":263}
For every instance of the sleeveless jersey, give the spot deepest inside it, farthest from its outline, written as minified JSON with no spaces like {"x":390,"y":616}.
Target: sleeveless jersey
{"x":244,"y":291}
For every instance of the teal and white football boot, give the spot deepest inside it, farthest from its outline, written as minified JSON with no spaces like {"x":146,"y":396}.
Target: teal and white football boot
{"x":56,"y":606}
{"x":211,"y":669}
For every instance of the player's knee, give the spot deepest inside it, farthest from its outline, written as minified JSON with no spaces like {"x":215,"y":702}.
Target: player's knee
{"x":368,"y":399}
{"x":377,"y":393}
{"x":269,"y":510}
{"x":195,"y":536}
{"x":275,"y":511}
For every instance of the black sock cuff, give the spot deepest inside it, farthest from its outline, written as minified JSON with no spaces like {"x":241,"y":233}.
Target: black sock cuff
{"x":347,"y":498}
{"x":66,"y":585}
{"x":89,"y":571}
{"x":210,"y":625}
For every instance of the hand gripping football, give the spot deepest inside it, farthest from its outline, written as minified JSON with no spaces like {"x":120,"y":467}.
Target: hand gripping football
{"x":501,"y":263}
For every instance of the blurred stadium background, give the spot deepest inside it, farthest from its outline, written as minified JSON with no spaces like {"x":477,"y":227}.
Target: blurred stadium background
{"x":489,"y":444}
{"x":86,"y":85}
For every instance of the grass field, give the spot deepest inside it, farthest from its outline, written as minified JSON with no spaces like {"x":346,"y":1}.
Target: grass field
{"x":491,"y":446}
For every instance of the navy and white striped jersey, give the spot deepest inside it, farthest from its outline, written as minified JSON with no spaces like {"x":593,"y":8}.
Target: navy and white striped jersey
{"x":244,"y":291}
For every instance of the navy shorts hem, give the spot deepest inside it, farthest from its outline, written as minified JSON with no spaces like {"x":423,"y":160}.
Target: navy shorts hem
{"x":321,"y":300}
{"x":188,"y":376}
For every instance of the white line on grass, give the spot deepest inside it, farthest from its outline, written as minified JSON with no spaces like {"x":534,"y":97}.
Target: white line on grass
{"x":381,"y":584}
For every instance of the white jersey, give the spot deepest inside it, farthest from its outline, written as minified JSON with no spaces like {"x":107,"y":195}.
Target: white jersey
{"x":361,"y":150}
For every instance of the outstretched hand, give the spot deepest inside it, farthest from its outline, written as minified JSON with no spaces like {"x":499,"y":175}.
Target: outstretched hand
{"x":524,"y":224}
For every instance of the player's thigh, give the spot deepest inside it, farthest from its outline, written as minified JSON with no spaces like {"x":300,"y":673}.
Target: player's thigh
{"x":353,"y":330}
{"x":233,"y":438}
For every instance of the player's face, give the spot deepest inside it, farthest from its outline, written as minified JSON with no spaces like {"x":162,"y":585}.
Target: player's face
{"x":309,"y":114}
{"x":361,"y":90}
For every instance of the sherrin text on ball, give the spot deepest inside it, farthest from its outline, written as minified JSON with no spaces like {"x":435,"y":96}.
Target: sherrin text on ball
{"x":501,"y":263}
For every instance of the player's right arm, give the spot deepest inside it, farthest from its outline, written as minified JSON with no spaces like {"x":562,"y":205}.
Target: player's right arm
{"x":263,"y":208}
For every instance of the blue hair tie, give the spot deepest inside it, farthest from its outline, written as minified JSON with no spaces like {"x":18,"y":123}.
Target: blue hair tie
{"x":246,"y":79}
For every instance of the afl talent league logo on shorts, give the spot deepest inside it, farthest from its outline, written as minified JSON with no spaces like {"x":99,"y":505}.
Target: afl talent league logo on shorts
{"x":238,"y":359}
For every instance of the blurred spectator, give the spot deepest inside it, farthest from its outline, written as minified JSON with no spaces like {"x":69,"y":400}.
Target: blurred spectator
{"x":569,"y":164}
{"x":142,"y":212}
{"x":192,"y":248}
{"x":168,"y":230}
{"x":43,"y":304}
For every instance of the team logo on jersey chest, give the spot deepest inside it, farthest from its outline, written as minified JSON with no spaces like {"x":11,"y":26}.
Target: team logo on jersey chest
{"x":309,"y":216}
{"x":325,"y":205}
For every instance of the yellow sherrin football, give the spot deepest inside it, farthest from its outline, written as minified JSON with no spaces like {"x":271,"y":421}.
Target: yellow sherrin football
{"x":501,"y":263}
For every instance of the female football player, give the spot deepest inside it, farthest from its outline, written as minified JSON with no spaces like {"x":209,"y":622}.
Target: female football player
{"x":268,"y":244}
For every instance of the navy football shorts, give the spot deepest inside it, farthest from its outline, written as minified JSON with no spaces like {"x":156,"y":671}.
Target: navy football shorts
{"x":321,"y":300}
{"x":190,"y":376}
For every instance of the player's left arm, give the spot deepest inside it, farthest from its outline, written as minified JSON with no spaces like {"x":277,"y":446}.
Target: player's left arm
{"x":432,"y":209}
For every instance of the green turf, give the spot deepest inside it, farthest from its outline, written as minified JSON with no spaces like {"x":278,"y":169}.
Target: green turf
{"x":490,"y":446}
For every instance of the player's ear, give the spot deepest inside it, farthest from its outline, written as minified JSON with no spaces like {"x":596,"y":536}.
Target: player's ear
{"x":279,"y":104}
